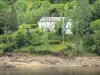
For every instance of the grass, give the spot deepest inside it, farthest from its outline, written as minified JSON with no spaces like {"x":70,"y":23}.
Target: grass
{"x":52,"y":48}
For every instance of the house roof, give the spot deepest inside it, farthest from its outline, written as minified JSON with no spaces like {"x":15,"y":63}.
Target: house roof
{"x":50,"y":19}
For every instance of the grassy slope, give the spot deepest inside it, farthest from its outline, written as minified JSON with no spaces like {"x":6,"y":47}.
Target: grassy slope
{"x":53,"y":48}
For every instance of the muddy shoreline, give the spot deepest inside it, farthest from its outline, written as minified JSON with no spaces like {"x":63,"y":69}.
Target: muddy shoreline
{"x":23,"y":61}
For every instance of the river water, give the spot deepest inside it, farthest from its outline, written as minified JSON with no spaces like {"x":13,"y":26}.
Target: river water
{"x":51,"y":71}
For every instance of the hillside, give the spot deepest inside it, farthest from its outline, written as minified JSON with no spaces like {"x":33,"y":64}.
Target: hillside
{"x":20,"y":33}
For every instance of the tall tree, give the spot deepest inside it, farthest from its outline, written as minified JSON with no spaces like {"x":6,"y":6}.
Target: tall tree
{"x":3,"y":6}
{"x":81,"y":17}
{"x":96,"y":6}
{"x":13,"y":19}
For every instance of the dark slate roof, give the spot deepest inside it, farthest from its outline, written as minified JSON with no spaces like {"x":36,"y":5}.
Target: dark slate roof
{"x":50,"y":19}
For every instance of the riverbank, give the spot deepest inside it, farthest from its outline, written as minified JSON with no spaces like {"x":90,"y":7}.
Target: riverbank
{"x":23,"y":61}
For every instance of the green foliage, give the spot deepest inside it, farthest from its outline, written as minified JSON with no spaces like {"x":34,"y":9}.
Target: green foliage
{"x":69,"y":10}
{"x":58,"y":27}
{"x":8,"y":21}
{"x":13,"y":19}
{"x":73,"y":49}
{"x":95,"y":25}
{"x":59,"y":1}
{"x":69,"y":51}
{"x":3,"y":6}
{"x":44,"y":38}
{"x":26,"y":13}
{"x":2,"y":39}
{"x":33,"y":13}
{"x":35,"y":5}
{"x":21,"y":6}
{"x":38,"y":4}
{"x":70,"y":38}
{"x":33,"y":50}
{"x":81,"y":16}
{"x":53,"y":42}
{"x":56,"y":10}
{"x":2,"y":46}
{"x":96,"y":13}
{"x":92,"y":42}
{"x":19,"y":38}
{"x":96,"y":46}
{"x":25,"y":26}
{"x":6,"y":47}
{"x":37,"y":43}
{"x":53,"y":36}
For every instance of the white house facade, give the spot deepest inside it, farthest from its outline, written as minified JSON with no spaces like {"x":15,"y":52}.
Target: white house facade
{"x":48,"y":24}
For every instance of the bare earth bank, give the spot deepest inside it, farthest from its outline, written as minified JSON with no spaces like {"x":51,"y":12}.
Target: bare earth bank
{"x":21,"y":61}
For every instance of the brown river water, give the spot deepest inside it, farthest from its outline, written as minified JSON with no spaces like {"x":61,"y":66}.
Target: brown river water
{"x":51,"y":71}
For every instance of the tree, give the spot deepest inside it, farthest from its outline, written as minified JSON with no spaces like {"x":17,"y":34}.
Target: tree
{"x":8,"y":22}
{"x":81,"y":17}
{"x":95,"y":25}
{"x":96,"y":13}
{"x":21,"y":6}
{"x":13,"y":19}
{"x":56,"y":9}
{"x":3,"y":6}
{"x":91,"y":1}
{"x":94,"y":43}
{"x":58,"y":27}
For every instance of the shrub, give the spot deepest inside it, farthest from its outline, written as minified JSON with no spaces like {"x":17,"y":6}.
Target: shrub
{"x":2,"y":38}
{"x":52,"y":42}
{"x":25,"y":26}
{"x":69,"y":51}
{"x":2,"y":46}
{"x":95,"y":25}
{"x":69,"y":37}
{"x":34,"y":25}
{"x":19,"y":38}
{"x":32,"y":50}
{"x":73,"y":49}
{"x":37,"y":43}
{"x":37,"y":30}
{"x":53,"y":36}
{"x":24,"y":51}
{"x":95,"y":48}
{"x":6,"y":47}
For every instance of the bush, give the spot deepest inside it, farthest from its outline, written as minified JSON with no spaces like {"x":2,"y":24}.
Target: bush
{"x":95,"y":48}
{"x":2,"y":38}
{"x":32,"y":50}
{"x":69,"y":51}
{"x":73,"y":49}
{"x":69,"y":37}
{"x":6,"y":47}
{"x":95,"y":25}
{"x":19,"y":38}
{"x":33,"y":25}
{"x":24,"y":51}
{"x":2,"y":46}
{"x":52,"y":42}
{"x":53,"y":36}
{"x":37,"y":43}
{"x":25,"y":26}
